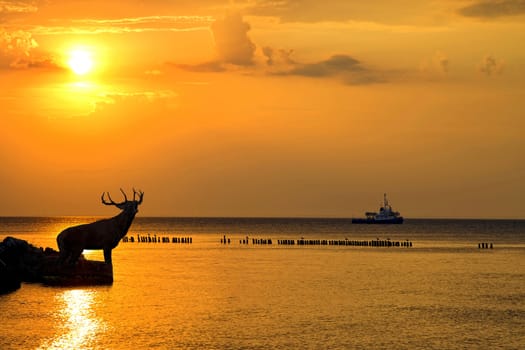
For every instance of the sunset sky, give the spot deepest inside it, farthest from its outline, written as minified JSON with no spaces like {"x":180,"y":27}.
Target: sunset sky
{"x":263,"y":108}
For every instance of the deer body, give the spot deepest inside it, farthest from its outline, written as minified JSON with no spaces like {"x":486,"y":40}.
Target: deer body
{"x":104,"y":234}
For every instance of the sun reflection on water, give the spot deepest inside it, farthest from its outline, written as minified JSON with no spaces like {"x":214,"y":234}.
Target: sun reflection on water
{"x":77,"y":323}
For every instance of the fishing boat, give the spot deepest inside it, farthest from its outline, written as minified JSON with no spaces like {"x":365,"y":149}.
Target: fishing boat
{"x":386,"y":215}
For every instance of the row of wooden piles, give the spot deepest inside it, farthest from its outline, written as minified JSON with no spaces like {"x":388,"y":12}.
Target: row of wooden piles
{"x":156,"y":239}
{"x":347,"y":242}
{"x":322,"y":242}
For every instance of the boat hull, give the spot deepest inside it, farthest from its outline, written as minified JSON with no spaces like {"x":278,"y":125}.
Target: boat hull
{"x":397,"y":220}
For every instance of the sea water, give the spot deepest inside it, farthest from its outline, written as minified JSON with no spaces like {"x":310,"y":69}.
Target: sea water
{"x":442,"y":293}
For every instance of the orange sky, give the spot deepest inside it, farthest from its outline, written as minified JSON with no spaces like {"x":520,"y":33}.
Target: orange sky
{"x":264,"y":108}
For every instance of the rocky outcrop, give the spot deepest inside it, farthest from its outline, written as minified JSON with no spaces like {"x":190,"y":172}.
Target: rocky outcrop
{"x":23,"y":262}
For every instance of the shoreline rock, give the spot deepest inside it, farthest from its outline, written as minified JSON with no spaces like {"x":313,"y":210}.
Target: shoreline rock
{"x":20,"y":262}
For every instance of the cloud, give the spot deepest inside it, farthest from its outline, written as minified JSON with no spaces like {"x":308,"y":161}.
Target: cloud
{"x":379,"y":11}
{"x":235,"y":50}
{"x":443,"y":61}
{"x":305,"y":10}
{"x":153,"y":72}
{"x":493,"y":9}
{"x":117,"y":122}
{"x":278,"y":57}
{"x":126,"y":110}
{"x":17,"y":7}
{"x":135,"y":98}
{"x":348,"y":69}
{"x":90,"y":26}
{"x":490,"y":65}
{"x":330,"y":67}
{"x":438,"y":63}
{"x":17,"y":43}
{"x":35,"y":62}
{"x":212,"y":66}
{"x":232,"y":42}
{"x":19,"y":50}
{"x":149,"y":21}
{"x":233,"y":47}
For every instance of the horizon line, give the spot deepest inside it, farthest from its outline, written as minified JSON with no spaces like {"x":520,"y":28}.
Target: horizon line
{"x":258,"y":217}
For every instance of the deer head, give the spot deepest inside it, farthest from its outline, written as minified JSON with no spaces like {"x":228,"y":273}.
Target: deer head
{"x":131,"y":206}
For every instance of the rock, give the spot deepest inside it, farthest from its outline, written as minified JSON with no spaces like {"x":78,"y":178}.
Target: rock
{"x":9,"y":280}
{"x":23,"y":262}
{"x":11,"y":251}
{"x":83,"y":273}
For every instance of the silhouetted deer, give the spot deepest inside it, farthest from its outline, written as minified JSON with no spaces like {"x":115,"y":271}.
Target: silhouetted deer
{"x":103,"y":234}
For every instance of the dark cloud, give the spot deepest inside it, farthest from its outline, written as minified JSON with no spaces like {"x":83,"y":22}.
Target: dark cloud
{"x":332,"y":66}
{"x":232,"y":42}
{"x":493,"y":9}
{"x":276,"y":57}
{"x":490,"y":65}
{"x":344,"y":67}
{"x":444,"y":63}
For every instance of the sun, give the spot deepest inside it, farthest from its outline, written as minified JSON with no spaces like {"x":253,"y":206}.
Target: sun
{"x":80,"y":61}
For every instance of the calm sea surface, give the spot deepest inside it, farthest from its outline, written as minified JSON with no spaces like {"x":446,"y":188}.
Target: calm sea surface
{"x":443,"y":293}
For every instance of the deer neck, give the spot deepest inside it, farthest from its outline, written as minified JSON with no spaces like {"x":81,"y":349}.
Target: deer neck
{"x":124,"y":220}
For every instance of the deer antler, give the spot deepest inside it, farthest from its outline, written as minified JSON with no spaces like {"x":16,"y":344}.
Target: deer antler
{"x":124,"y":193}
{"x":104,"y":201}
{"x":141,"y":195}
{"x":111,"y":202}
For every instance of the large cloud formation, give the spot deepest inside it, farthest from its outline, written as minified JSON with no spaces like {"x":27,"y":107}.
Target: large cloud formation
{"x":233,"y":46}
{"x":235,"y":49}
{"x":493,"y":9}
{"x":15,"y":45}
{"x":232,"y":42}
{"x":18,"y":48}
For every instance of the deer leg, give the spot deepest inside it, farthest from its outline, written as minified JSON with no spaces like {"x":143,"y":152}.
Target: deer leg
{"x":63,"y":252}
{"x":65,"y":256}
{"x":107,"y":255}
{"x":74,"y":255}
{"x":62,"y":257}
